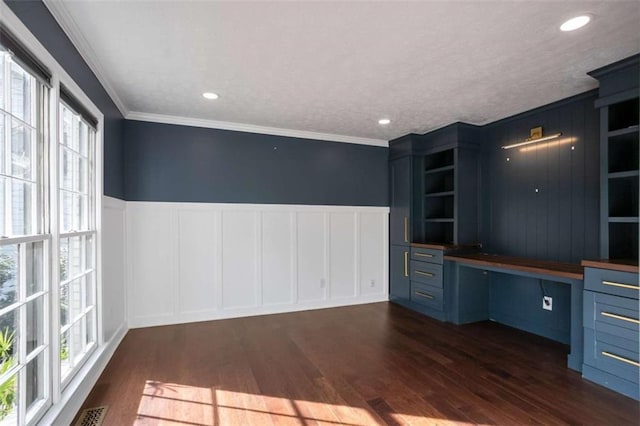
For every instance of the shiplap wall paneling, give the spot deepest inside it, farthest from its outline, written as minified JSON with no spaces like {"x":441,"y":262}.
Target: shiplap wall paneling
{"x":560,"y":221}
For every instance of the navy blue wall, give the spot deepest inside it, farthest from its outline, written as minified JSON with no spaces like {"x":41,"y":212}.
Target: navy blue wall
{"x":189,"y":164}
{"x":35,"y":15}
{"x":559,"y":222}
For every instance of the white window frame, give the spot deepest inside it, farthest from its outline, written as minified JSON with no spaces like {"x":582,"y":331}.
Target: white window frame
{"x":62,"y":396}
{"x":90,"y":212}
{"x":39,"y":170}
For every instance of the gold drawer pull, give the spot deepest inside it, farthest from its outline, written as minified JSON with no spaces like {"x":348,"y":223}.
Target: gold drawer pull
{"x":426,"y":274}
{"x":406,"y":263}
{"x":423,"y":254}
{"x":619,"y":358}
{"x":423,"y":294}
{"x":614,"y":284}
{"x":620,"y":317}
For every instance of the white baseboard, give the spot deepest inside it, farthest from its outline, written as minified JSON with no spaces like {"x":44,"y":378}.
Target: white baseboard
{"x":248,"y":312}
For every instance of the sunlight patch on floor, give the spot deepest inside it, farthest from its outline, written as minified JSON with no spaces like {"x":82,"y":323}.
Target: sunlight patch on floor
{"x":408,"y":419}
{"x":176,"y":404}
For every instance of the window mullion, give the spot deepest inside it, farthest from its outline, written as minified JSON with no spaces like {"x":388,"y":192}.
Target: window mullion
{"x":7,"y":151}
{"x":22,"y":394}
{"x":7,"y":180}
{"x":37,"y":208}
{"x":7,"y":205}
{"x":7,"y":136}
{"x":55,"y":132}
{"x":45,"y":138}
{"x":22,"y":330}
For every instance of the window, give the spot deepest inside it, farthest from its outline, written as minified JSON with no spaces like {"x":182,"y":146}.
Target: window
{"x":24,"y":247}
{"x":48,"y":235}
{"x":77,"y":240}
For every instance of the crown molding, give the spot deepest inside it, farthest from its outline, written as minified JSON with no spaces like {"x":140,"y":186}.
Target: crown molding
{"x":250,"y":128}
{"x":71,"y":29}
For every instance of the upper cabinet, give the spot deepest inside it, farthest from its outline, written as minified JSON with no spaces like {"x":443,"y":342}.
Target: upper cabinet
{"x":400,"y":190}
{"x":619,"y":171}
{"x":434,"y":184}
{"x":400,"y":201}
{"x":446,"y":176}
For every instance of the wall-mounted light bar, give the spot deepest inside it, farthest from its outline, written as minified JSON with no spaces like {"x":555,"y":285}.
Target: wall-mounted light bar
{"x":550,"y":144}
{"x":536,"y":136}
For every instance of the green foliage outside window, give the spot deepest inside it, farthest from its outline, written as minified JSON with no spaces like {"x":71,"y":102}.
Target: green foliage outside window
{"x":7,"y":360}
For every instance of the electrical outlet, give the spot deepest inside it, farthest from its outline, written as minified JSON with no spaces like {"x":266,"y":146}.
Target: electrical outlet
{"x":372,"y":283}
{"x":547,"y":303}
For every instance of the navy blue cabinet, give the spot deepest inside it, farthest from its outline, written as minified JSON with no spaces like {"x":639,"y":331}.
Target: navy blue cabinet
{"x":446,"y":186}
{"x":433,"y":192}
{"x":400,"y":229}
{"x":427,"y":284}
{"x":619,"y":152}
{"x":400,"y":201}
{"x":399,"y":283}
{"x":612,"y":330}
{"x":611,"y":289}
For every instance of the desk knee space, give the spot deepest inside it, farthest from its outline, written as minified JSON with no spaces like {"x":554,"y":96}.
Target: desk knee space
{"x":468,"y":280}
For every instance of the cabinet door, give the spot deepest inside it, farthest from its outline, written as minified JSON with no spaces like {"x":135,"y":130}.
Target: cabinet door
{"x":400,"y":200}
{"x":399,"y":271}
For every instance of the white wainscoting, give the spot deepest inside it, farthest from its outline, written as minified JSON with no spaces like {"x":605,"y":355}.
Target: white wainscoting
{"x":198,"y":261}
{"x":113,"y":266}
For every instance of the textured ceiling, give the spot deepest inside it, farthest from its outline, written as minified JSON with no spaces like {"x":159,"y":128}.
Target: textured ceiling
{"x":337,"y":67}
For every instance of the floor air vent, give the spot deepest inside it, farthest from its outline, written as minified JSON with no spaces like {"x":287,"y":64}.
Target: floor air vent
{"x":92,"y":416}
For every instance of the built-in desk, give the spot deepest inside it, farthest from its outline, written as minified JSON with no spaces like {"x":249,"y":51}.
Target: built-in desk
{"x":469,"y":296}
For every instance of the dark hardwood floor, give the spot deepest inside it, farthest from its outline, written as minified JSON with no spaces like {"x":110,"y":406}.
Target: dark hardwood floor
{"x":359,"y":365}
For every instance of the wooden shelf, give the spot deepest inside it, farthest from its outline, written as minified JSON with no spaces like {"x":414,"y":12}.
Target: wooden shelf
{"x":440,"y":219}
{"x":626,"y":131}
{"x":439,"y":169}
{"x":623,"y":219}
{"x":440,"y":194}
{"x":619,"y":175}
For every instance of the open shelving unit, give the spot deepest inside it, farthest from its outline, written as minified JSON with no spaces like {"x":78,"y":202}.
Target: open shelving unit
{"x":439,"y":196}
{"x":619,"y":151}
{"x":622,"y":178}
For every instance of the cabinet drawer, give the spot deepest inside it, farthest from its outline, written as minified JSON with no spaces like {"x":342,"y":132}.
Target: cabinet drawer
{"x":426,"y":295}
{"x":623,"y":284}
{"x":612,"y":314}
{"x":611,"y":354}
{"x":426,"y":255}
{"x":427,"y":273}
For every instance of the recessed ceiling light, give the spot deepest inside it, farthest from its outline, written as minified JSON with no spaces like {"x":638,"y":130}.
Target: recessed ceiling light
{"x":210,"y":95}
{"x":575,"y":23}
{"x":384,"y":121}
